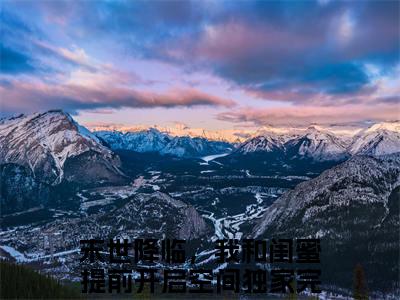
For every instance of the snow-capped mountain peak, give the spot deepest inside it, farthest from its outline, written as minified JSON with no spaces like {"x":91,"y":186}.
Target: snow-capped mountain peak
{"x":317,"y":144}
{"x":43,"y":142}
{"x":379,"y":139}
{"x":320,"y":144}
{"x":264,"y":143}
{"x":387,"y":126}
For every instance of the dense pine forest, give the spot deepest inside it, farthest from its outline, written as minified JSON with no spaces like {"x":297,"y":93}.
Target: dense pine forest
{"x":21,"y":282}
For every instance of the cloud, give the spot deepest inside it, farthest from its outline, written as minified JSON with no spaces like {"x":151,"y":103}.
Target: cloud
{"x":346,"y":28}
{"x":76,"y":57}
{"x":300,"y":116}
{"x":323,"y":53}
{"x":27,"y":97}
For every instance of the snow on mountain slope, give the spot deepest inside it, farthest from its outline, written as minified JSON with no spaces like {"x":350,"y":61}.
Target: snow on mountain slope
{"x":152,"y":140}
{"x":317,"y":144}
{"x":234,"y":135}
{"x":225,"y":135}
{"x":379,"y":139}
{"x":362,"y":179}
{"x":313,"y":143}
{"x":44,"y":142}
{"x":194,"y":147}
{"x":354,"y":209}
{"x":265,"y":143}
{"x":322,"y":145}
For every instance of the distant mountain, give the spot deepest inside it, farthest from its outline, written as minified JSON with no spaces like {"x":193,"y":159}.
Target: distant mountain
{"x":313,"y":143}
{"x":321,"y":145}
{"x":318,"y":145}
{"x":379,"y":139}
{"x":152,"y":140}
{"x":179,"y":129}
{"x":267,"y":143}
{"x":354,"y":209}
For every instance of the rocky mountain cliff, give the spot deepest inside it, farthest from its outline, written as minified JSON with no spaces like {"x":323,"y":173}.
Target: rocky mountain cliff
{"x":354,"y":209}
{"x":40,"y":152}
{"x":53,"y":147}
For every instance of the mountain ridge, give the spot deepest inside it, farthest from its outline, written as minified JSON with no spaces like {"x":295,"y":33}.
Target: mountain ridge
{"x":46,"y":143}
{"x":354,"y":209}
{"x":379,"y":139}
{"x":153,"y":140}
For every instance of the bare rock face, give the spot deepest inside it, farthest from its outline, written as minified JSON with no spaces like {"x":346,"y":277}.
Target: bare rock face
{"x":193,"y":225}
{"x":51,"y":144}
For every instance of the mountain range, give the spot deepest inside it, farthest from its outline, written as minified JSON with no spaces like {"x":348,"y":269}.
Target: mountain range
{"x":152,"y":140}
{"x":46,"y":149}
{"x":308,"y":183}
{"x":51,"y":141}
{"x":314,"y":142}
{"x":379,"y":139}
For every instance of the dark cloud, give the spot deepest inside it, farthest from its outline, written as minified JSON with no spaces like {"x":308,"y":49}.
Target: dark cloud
{"x":28,"y":97}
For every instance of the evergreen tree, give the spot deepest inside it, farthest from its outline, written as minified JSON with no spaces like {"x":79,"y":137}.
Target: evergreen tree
{"x":359,"y":285}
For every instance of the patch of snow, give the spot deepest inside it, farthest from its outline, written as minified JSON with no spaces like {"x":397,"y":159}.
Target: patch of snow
{"x":209,"y":158}
{"x":19,"y":257}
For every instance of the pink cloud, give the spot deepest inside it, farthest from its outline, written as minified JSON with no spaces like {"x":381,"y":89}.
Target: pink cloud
{"x":303,"y":94}
{"x":239,"y":40}
{"x":236,"y":40}
{"x":305,"y":115}
{"x":29,"y":96}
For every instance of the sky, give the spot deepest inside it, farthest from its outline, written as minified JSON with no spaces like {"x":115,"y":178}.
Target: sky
{"x":206,"y":64}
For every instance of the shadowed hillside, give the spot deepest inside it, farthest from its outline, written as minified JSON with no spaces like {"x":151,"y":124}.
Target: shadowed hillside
{"x":22,"y":282}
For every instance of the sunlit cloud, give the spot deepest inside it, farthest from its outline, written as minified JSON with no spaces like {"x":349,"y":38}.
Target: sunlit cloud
{"x":303,"y":116}
{"x":345,"y":27}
